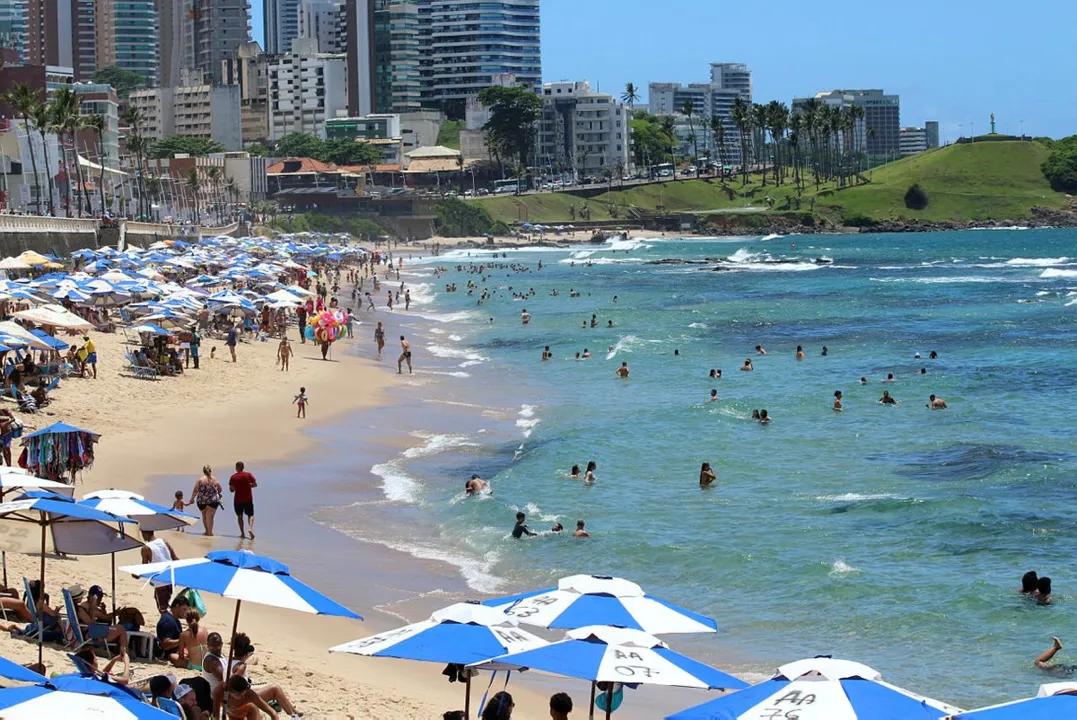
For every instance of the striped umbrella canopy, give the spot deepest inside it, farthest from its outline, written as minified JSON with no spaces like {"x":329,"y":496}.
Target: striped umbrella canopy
{"x":77,"y":696}
{"x":1054,"y":700}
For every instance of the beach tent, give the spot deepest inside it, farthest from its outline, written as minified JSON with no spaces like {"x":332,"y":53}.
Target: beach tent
{"x":582,"y":600}
{"x":837,"y":688}
{"x":34,"y":259}
{"x":1054,"y":700}
{"x":611,"y":655}
{"x":77,"y":696}
{"x":54,"y":316}
{"x":460,"y":634}
{"x":11,"y":263}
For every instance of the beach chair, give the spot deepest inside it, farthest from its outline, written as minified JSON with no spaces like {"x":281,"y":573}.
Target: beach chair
{"x":170,"y":706}
{"x":97,"y":631}
{"x":35,"y":626}
{"x":82,"y":666}
{"x":140,"y":371}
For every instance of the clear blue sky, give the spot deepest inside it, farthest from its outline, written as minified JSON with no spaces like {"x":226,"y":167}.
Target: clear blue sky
{"x":955,"y":61}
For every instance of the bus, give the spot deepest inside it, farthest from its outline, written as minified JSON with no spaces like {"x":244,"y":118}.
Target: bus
{"x":663,"y":170}
{"x":508,"y":187}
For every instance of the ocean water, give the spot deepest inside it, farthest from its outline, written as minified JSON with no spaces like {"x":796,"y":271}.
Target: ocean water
{"x":892,"y":535}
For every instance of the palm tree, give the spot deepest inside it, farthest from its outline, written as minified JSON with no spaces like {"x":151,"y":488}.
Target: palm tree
{"x":630,"y":96}
{"x":689,"y":110}
{"x":194,"y":183}
{"x":43,"y":122}
{"x":743,"y":121}
{"x":136,"y":145}
{"x":796,"y":128}
{"x":68,"y":121}
{"x":232,"y":188}
{"x":777,"y":121}
{"x":811,"y":111}
{"x":25,"y":101}
{"x":759,"y":120}
{"x":856,"y":112}
{"x":97,"y":123}
{"x":718,"y":136}
{"x":214,"y":175}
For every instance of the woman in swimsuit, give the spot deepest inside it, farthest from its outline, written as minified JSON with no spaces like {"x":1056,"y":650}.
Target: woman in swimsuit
{"x":194,"y":642}
{"x":243,"y":650}
{"x":207,"y":496}
{"x":243,"y":702}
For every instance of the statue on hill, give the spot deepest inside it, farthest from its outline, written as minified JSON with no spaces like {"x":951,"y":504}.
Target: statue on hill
{"x":992,"y":123}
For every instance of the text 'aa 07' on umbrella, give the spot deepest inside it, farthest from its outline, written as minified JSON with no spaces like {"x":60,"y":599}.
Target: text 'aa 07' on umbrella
{"x":150,"y":516}
{"x":603,"y":654}
{"x":582,"y":600}
{"x":241,"y":575}
{"x":58,"y":449}
{"x":77,"y":696}
{"x":461,"y":634}
{"x":1054,"y":700}
{"x":76,"y":530}
{"x":821,"y":688}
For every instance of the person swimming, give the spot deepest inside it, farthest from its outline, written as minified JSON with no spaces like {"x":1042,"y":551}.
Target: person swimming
{"x":622,"y":372}
{"x":476,"y":485}
{"x":580,"y":532}
{"x":589,"y":477}
{"x":825,"y":351}
{"x":887,"y":399}
{"x":933,"y":355}
{"x":676,"y":353}
{"x":586,"y":353}
{"x":889,"y":377}
{"x":557,"y":528}
{"x":863,"y":380}
{"x":837,"y":401}
{"x":1029,"y":583}
{"x":747,"y":366}
{"x":1043,"y":590}
{"x":764,"y":418}
{"x":1043,"y":662}
{"x":760,"y":350}
{"x":755,"y":414}
{"x":574,"y":473}
{"x":706,"y":475}
{"x":923,"y":371}
{"x":546,"y":354}
{"x":800,"y":352}
{"x":936,"y":403}
{"x":714,"y":396}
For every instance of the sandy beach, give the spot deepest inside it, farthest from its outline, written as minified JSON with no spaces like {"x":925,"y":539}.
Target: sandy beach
{"x":217,"y":415}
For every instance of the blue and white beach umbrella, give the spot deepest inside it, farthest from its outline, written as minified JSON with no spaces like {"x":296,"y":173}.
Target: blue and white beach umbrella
{"x":582,"y":600}
{"x":1054,"y":700}
{"x":148,"y":515}
{"x":76,"y":696}
{"x":821,"y":689}
{"x":13,"y":671}
{"x":605,"y":654}
{"x":463,"y":634}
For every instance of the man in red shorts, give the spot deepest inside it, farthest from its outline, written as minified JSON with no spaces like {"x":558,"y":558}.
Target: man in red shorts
{"x":242,"y":484}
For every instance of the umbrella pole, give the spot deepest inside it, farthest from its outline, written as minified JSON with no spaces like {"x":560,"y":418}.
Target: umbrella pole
{"x":609,"y":701}
{"x":113,"y":556}
{"x":467,"y":698}
{"x":592,"y":715}
{"x":231,"y":651}
{"x":40,"y":611}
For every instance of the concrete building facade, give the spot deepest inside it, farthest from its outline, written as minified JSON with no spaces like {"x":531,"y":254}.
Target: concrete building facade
{"x":320,"y":20}
{"x":248,"y":67}
{"x":306,"y":88}
{"x":220,"y":26}
{"x":14,"y":31}
{"x":581,"y":130}
{"x":912,"y":140}
{"x":878,"y":134}
{"x":931,"y":127}
{"x":127,"y":36}
{"x":201,"y":110}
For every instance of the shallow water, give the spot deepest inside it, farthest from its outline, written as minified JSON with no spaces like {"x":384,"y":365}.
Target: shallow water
{"x":895,"y":536}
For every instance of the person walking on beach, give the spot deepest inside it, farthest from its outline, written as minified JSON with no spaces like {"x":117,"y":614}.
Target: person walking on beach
{"x":405,"y":354}
{"x":91,"y":356}
{"x":284,"y":353}
{"x":242,"y":485}
{"x":349,"y":319}
{"x":407,"y":299}
{"x":301,"y":313}
{"x":206,"y":495}
{"x":379,"y":337}
{"x":158,"y":551}
{"x":300,"y":402}
{"x":233,"y":339}
{"x":196,"y":343}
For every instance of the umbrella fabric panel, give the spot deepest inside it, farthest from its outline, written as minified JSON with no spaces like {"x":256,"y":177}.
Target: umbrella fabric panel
{"x":14,"y":671}
{"x":708,"y":624}
{"x":586,"y":610}
{"x":36,"y":703}
{"x":302,"y":597}
{"x":90,"y":538}
{"x":879,"y":700}
{"x":577,"y":659}
{"x":712,"y":676}
{"x":448,"y":643}
{"x":58,"y":507}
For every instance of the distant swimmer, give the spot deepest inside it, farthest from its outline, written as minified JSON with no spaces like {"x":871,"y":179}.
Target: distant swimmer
{"x":887,"y":399}
{"x":837,"y":401}
{"x":764,"y":418}
{"x":525,"y":317}
{"x":706,"y":475}
{"x":589,"y":477}
{"x":889,"y":377}
{"x":521,"y":528}
{"x":546,"y":354}
{"x":747,"y":366}
{"x":923,"y":371}
{"x":1043,"y":590}
{"x":584,"y":325}
{"x":936,"y":403}
{"x":574,"y":474}
{"x":615,"y":299}
{"x":580,"y":532}
{"x":714,"y":396}
{"x":676,"y":353}
{"x":609,"y":324}
{"x":825,"y":351}
{"x":760,"y":350}
{"x":622,"y":372}
{"x":1043,"y":662}
{"x":933,"y":356}
{"x":476,"y":485}
{"x":916,"y":356}
{"x":594,"y":320}
{"x":800,"y":353}
{"x":578,"y":356}
{"x":586,"y":353}
{"x":1030,"y":584}
{"x":863,"y":380}
{"x":755,"y":414}
{"x":557,"y":528}
{"x":715,"y":374}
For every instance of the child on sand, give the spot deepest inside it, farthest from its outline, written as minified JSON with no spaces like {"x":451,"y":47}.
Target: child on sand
{"x":178,"y":504}
{"x":300,"y":402}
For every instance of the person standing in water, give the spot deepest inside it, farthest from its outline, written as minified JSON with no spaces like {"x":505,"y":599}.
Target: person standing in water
{"x":521,"y":529}
{"x":706,"y":475}
{"x":580,"y":532}
{"x":837,"y":401}
{"x":589,"y":477}
{"x":622,"y":372}
{"x":800,"y":352}
{"x":525,"y":317}
{"x":936,"y":403}
{"x":405,"y":355}
{"x":379,"y":337}
{"x":242,"y":484}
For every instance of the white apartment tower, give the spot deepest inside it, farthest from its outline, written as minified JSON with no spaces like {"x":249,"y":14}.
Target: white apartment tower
{"x":281,"y":18}
{"x":306,"y":88}
{"x":581,"y":130}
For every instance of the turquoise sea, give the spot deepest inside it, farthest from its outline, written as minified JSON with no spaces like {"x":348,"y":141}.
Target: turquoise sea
{"x":892,"y":535}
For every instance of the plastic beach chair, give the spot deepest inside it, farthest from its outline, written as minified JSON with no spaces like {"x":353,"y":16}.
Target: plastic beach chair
{"x":36,"y":624}
{"x":141,"y":371}
{"x":97,"y":631}
{"x":170,"y":706}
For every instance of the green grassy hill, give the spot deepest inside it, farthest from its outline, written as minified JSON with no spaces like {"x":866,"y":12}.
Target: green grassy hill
{"x":983,"y":181}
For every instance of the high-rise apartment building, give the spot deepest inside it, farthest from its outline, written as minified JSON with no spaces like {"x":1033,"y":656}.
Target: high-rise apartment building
{"x":248,"y":67}
{"x":878,"y":134}
{"x":729,"y":82}
{"x":580,"y":129}
{"x":281,"y":19}
{"x":13,"y":27}
{"x":220,"y":26}
{"x":465,"y":43}
{"x":320,"y":20}
{"x":191,"y":108}
{"x":176,"y":34}
{"x":383,"y":56}
{"x":58,"y":33}
{"x":931,"y":127}
{"x":306,"y":88}
{"x":127,"y":36}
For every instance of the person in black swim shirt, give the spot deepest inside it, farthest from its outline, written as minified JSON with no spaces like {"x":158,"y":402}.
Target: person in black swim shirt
{"x":521,"y":529}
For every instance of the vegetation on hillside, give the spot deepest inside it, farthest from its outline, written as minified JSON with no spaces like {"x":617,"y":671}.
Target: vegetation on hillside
{"x":449,"y":134}
{"x":340,"y":152}
{"x":358,"y":227}
{"x":510,"y":131}
{"x":122,"y":81}
{"x":457,"y":218}
{"x":191,"y":145}
{"x":1060,"y":168}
